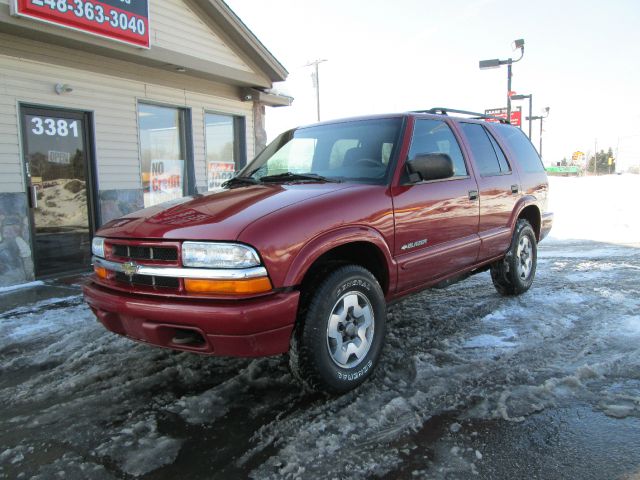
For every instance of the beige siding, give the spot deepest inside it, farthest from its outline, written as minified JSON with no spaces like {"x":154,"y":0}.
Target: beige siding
{"x":112,"y":99}
{"x":176,"y":27}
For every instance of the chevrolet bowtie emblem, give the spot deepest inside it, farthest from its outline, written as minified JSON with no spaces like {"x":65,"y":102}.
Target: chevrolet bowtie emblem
{"x":130,"y":268}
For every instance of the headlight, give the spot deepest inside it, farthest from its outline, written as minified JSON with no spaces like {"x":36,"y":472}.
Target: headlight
{"x":218,"y":255}
{"x":97,"y":246}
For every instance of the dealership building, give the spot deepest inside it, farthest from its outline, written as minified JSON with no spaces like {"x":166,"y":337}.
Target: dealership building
{"x":110,"y":106}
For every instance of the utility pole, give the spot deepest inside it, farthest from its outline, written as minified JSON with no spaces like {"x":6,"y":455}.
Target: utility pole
{"x":509,"y":90}
{"x":530,"y":97}
{"x":541,"y":118}
{"x":530,"y":109}
{"x":541,"y":136}
{"x":316,"y":83}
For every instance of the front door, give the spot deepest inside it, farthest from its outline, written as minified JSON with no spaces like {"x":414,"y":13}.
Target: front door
{"x":436,"y":221}
{"x":56,"y":156}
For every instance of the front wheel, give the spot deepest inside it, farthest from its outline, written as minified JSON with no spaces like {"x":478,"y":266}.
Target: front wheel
{"x":338,"y":340}
{"x":514,"y":274}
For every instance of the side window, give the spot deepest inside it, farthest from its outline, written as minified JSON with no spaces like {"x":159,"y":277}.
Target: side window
{"x":521,"y":147}
{"x":435,"y":136}
{"x":482,"y":149}
{"x":502,"y":160}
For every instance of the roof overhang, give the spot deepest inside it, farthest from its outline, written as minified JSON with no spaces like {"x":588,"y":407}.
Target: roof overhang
{"x":269,"y":99}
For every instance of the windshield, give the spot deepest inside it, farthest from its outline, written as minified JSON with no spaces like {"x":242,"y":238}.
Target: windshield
{"x":348,"y":151}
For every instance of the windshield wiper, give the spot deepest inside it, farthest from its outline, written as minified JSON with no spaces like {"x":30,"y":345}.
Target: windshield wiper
{"x":237,"y":181}
{"x":290,"y":176}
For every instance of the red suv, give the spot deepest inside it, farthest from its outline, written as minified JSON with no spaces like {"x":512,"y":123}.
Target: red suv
{"x":304,"y":248}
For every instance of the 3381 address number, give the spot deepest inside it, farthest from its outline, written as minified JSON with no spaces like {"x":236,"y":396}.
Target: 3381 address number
{"x":95,"y":13}
{"x":54,"y":127}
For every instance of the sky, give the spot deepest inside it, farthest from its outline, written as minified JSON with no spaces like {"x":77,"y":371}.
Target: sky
{"x":391,"y":56}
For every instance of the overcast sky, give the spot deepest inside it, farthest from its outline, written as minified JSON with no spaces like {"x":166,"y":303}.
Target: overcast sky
{"x":580,"y":60}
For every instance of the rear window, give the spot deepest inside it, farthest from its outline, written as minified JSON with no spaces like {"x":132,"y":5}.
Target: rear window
{"x":524,"y":152}
{"x":484,"y":152}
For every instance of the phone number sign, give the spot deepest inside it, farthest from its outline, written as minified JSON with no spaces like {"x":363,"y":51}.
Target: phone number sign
{"x":122,"y":20}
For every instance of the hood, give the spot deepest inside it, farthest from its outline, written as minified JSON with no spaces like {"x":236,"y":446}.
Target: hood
{"x":214,"y":216}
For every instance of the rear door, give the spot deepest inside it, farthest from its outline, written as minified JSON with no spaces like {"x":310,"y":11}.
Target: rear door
{"x":499,"y":188}
{"x":436,"y":221}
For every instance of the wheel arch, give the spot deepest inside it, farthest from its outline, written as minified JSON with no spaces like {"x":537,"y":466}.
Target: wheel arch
{"x":356,"y":245}
{"x":528,"y":209}
{"x":531,"y":213}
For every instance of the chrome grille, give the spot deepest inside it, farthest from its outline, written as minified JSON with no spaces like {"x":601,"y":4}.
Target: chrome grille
{"x":148,"y":280}
{"x":167,"y":254}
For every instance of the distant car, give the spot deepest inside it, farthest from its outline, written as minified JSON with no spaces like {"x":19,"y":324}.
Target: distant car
{"x":302,"y":251}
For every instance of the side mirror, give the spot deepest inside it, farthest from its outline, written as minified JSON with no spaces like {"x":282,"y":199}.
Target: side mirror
{"x":430,"y":166}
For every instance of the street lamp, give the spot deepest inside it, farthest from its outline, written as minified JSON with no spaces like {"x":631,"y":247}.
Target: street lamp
{"x":540,"y":117}
{"x":495,"y":63}
{"x":522,"y":97}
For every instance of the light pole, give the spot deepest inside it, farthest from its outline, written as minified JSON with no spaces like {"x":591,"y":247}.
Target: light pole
{"x":540,"y":117}
{"x":316,"y":83}
{"x":495,"y":63}
{"x":522,"y":97}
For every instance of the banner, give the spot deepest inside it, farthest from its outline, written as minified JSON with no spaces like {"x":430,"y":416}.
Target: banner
{"x":122,"y":20}
{"x":516,"y":115}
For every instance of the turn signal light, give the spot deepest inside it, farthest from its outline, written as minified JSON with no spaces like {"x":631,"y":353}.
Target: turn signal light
{"x":229,"y":287}
{"x":101,"y":272}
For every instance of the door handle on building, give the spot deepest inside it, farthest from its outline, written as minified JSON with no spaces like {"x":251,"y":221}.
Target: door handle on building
{"x":33,"y":196}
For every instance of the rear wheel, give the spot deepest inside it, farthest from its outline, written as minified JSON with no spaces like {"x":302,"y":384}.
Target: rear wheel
{"x":514,"y":274}
{"x":339,"y":338}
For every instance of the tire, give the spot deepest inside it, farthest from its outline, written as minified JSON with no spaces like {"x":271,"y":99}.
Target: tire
{"x":339,"y":337}
{"x":514,"y":274}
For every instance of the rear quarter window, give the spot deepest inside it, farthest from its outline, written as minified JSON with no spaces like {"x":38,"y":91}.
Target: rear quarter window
{"x":523,"y":151}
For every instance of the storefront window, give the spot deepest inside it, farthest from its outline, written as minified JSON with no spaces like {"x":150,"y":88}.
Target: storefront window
{"x":162,"y":146}
{"x":222,"y":149}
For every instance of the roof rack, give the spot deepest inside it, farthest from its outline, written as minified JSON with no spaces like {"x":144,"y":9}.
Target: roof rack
{"x":474,"y":115}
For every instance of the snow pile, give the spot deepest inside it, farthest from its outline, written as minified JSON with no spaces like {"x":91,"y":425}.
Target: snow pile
{"x":602,"y":209}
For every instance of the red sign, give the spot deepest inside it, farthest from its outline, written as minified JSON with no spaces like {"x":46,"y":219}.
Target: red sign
{"x":122,"y":20}
{"x":516,"y":115}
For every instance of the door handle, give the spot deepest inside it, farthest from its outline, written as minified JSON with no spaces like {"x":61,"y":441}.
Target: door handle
{"x":473,"y":194}
{"x":33,"y":196}
{"x":514,"y":189}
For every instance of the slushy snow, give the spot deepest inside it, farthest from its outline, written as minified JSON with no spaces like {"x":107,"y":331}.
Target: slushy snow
{"x":80,"y":402}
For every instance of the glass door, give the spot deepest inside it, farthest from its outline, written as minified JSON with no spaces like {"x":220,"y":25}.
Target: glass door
{"x":56,"y":157}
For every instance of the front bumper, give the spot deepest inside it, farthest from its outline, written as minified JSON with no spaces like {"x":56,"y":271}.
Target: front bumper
{"x":243,"y":328}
